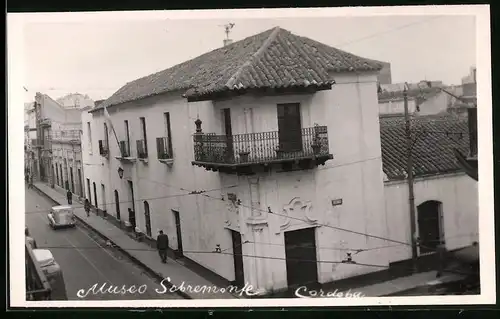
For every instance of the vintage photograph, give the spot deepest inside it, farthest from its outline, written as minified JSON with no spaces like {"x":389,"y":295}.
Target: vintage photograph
{"x":238,"y":157}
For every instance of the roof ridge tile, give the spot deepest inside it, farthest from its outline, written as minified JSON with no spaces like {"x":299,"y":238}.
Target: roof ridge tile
{"x":265,"y":45}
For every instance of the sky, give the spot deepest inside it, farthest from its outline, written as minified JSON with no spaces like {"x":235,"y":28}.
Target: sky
{"x":98,"y":57}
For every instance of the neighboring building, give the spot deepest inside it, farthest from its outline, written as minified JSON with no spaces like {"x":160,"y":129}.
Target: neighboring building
{"x":421,"y":101}
{"x":287,"y":141}
{"x":446,"y":198}
{"x":76,"y":101}
{"x":30,"y":137}
{"x":385,"y":76}
{"x":58,"y":157}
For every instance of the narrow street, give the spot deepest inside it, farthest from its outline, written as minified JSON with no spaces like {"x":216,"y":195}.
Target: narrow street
{"x":84,"y":260}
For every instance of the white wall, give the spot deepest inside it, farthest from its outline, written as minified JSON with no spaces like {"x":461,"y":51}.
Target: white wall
{"x":459,"y":198}
{"x":396,"y":106}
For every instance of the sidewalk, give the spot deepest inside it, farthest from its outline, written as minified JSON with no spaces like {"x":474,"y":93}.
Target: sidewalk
{"x":148,"y":258}
{"x":424,"y":281}
{"x":140,"y":252}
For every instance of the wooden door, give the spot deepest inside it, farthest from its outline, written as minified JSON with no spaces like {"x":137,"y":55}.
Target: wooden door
{"x":117,"y":205}
{"x":429,"y":226}
{"x":95,"y":196}
{"x":239,"y":275}
{"x":147,"y":218}
{"x":289,"y":127}
{"x":301,"y":262}
{"x":179,"y":232}
{"x":228,"y":131}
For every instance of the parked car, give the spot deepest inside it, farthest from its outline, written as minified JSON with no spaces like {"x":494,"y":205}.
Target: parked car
{"x":61,"y":216}
{"x":53,"y":272}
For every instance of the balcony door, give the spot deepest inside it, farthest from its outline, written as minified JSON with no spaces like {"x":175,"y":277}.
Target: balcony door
{"x":289,"y":127}
{"x":228,"y":131}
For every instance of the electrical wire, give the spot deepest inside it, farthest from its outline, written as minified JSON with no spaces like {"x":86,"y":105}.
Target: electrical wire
{"x":345,"y":262}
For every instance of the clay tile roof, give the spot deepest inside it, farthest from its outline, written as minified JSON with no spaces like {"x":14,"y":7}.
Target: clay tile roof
{"x":433,"y":149}
{"x":275,"y":58}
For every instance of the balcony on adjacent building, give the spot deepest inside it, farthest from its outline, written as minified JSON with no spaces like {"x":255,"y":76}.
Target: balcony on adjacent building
{"x":164,"y":150}
{"x":142,"y":149}
{"x":103,"y":148}
{"x":66,"y":136}
{"x":250,"y":153}
{"x":125,"y":154}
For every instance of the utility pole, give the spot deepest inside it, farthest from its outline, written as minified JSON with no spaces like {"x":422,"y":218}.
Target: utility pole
{"x":409,"y":170}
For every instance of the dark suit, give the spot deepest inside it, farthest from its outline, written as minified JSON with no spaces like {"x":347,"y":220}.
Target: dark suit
{"x":162,"y":245}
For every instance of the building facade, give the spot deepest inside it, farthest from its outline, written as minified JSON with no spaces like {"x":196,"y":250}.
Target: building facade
{"x":239,"y":172}
{"x":76,"y":101}
{"x":261,"y":160}
{"x":56,"y":159}
{"x":421,"y":101}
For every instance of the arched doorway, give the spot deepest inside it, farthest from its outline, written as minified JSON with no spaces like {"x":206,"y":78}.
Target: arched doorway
{"x":430,"y":226}
{"x":147,"y":216}
{"x":117,"y":204}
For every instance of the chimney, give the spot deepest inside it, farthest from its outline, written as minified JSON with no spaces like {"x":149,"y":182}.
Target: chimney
{"x":227,"y":42}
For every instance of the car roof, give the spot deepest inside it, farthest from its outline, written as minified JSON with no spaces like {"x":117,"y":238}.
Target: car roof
{"x":61,"y":207}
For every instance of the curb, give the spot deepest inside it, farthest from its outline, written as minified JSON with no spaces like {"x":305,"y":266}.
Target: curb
{"x":156,"y":275}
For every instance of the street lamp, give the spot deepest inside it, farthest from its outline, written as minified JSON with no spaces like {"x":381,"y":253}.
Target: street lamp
{"x":120,"y":172}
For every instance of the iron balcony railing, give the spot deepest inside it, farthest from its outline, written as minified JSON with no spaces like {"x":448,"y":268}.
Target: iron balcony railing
{"x":142,"y":149}
{"x":103,"y":148}
{"x":253,"y":148}
{"x":66,"y":135}
{"x":125,"y":149}
{"x":37,"y":285}
{"x":163,"y":148}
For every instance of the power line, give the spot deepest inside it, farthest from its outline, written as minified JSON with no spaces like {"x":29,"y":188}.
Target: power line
{"x":345,"y":261}
{"x":129,"y":201}
{"x":387,"y":31}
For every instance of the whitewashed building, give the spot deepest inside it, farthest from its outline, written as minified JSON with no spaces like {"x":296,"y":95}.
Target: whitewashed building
{"x":261,"y":160}
{"x":446,"y":199}
{"x":58,"y":134}
{"x":76,"y":101}
{"x":421,"y":101}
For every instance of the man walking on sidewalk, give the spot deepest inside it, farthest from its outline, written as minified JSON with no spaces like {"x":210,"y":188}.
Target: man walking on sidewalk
{"x":86,"y":206}
{"x":162,"y":245}
{"x":69,"y":196}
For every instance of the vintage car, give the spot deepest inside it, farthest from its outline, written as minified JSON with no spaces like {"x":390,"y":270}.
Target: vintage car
{"x":53,"y":272}
{"x":61,"y":216}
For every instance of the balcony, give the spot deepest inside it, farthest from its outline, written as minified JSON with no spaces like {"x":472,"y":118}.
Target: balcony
{"x":67,"y":136}
{"x":125,"y":154}
{"x":246,"y":154}
{"x":142,"y":149}
{"x":164,"y":150}
{"x":35,"y":143}
{"x":103,"y":148}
